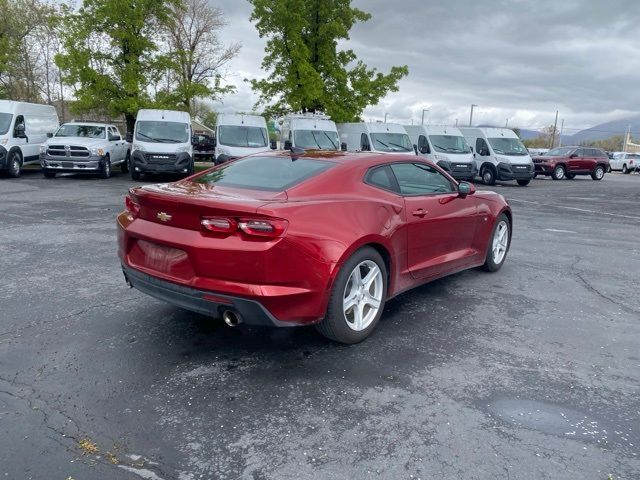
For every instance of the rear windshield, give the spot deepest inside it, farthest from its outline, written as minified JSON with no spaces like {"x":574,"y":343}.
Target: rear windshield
{"x":241,"y":136}
{"x":84,"y":131}
{"x":273,"y":174}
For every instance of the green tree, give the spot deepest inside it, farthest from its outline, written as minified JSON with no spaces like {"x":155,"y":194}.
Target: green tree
{"x":112,"y":54}
{"x":307,"y":71}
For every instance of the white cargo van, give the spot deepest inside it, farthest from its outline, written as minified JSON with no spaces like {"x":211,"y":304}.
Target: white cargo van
{"x":238,"y":135}
{"x":24,"y":127}
{"x":446,"y":147}
{"x":161,"y":143}
{"x":375,"y":137}
{"x":309,"y":131}
{"x":499,"y":155}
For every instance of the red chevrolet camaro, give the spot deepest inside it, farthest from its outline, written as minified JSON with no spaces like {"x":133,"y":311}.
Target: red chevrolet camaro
{"x":307,"y":238}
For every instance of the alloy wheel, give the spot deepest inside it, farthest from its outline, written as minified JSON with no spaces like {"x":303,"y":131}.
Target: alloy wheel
{"x":362,"y":295}
{"x":500,"y":242}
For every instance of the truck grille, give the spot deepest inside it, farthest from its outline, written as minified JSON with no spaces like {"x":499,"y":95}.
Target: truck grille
{"x":160,"y":158}
{"x":74,"y":151}
{"x":461,"y":167}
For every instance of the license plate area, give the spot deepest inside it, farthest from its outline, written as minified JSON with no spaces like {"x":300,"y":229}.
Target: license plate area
{"x":161,"y":258}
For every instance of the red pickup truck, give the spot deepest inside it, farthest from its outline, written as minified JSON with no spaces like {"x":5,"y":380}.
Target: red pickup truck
{"x":567,"y":162}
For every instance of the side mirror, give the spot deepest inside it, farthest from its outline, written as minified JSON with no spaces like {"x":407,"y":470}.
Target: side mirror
{"x":484,"y":152}
{"x":343,"y":146}
{"x":214,"y":142}
{"x":415,"y":148}
{"x":194,"y":140}
{"x":19,"y":131}
{"x":466,"y":188}
{"x":424,"y":149}
{"x":287,"y":145}
{"x":274,"y":145}
{"x":129,"y":137}
{"x":49,"y":134}
{"x":573,"y":155}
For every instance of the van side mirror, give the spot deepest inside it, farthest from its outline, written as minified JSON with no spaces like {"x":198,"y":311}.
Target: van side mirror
{"x":466,"y":188}
{"x":19,"y":131}
{"x":415,"y":148}
{"x":194,"y":140}
{"x":274,"y":145}
{"x":424,"y":149}
{"x":484,"y":152}
{"x":343,"y":146}
{"x":287,"y":144}
{"x":49,"y":134}
{"x":129,"y":137}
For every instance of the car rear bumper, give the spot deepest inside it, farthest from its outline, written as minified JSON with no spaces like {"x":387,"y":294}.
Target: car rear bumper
{"x":208,"y":303}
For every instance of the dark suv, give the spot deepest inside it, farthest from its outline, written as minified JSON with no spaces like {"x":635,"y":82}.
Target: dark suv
{"x":567,"y":162}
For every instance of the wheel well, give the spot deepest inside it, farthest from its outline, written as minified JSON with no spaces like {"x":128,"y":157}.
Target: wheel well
{"x":488,"y":165}
{"x":384,"y":253}
{"x":17,"y":150}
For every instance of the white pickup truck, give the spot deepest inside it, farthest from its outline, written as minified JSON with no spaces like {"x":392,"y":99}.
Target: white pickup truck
{"x":85,"y":147}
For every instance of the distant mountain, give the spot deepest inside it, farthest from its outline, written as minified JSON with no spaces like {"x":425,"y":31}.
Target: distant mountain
{"x":607,"y":130}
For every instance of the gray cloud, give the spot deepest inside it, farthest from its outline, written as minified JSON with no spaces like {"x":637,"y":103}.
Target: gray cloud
{"x":516,"y":59}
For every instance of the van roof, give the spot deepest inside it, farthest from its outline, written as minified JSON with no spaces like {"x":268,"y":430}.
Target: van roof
{"x":10,"y":106}
{"x":167,"y":115}
{"x":241,"y":119}
{"x":91,"y":124}
{"x":489,"y":132}
{"x":434,"y":129}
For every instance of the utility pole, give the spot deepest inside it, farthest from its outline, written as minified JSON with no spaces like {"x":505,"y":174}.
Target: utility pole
{"x":385,"y":117}
{"x":553,"y":134}
{"x":423,"y":110}
{"x":561,"y":130}
{"x":473,"y":105}
{"x":506,"y":124}
{"x":627,"y":139}
{"x":456,"y":122}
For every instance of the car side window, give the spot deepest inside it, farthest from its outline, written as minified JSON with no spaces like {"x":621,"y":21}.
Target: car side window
{"x":116,"y":133}
{"x":423,"y":144}
{"x":481,"y":147}
{"x":365,"y":146}
{"x":115,"y":136}
{"x":382,"y":177}
{"x":420,"y":179}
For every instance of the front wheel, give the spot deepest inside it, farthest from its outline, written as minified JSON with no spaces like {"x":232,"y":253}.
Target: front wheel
{"x":135,"y":175}
{"x":105,"y":171}
{"x":625,"y":170}
{"x":357,"y":299}
{"x":558,"y":173}
{"x":598,"y":173}
{"x":499,"y":244}
{"x":15,"y":165}
{"x":488,"y":177}
{"x":523,"y":183}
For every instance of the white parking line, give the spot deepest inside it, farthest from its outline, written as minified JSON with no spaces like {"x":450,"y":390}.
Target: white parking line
{"x":558,"y":231}
{"x":575,"y":208}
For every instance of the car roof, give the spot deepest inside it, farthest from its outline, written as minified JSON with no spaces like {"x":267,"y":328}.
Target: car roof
{"x":372,"y":158}
{"x":91,"y":124}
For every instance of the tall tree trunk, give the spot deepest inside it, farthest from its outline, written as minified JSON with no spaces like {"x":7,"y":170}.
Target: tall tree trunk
{"x":130,"y":118}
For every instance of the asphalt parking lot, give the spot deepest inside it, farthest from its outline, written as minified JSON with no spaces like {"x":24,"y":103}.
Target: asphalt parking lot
{"x":529,"y":373}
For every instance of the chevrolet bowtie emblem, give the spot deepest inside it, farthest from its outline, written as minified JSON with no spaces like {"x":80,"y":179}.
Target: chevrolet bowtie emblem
{"x":163,"y":217}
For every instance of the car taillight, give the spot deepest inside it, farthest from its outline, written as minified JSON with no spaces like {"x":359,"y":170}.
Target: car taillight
{"x":259,"y":227}
{"x":132,"y":207}
{"x":263,"y":227}
{"x":220,"y":225}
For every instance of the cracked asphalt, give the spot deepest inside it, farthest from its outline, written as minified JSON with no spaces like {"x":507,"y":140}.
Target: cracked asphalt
{"x":529,"y":373}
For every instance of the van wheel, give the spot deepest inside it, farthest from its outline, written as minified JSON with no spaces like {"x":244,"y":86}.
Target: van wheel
{"x":15,"y":164}
{"x":523,"y":183}
{"x":499,"y":244}
{"x":598,"y":173}
{"x":625,"y":169}
{"x":135,"y":175}
{"x":488,"y":177}
{"x":105,"y":171}
{"x":125,"y":165}
{"x":357,"y":299}
{"x":558,"y":172}
{"x":48,"y":174}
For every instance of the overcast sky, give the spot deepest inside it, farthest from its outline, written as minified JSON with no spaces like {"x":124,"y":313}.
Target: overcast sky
{"x":516,"y":59}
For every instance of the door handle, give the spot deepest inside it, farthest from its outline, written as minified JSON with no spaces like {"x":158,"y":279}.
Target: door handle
{"x":421,"y":212}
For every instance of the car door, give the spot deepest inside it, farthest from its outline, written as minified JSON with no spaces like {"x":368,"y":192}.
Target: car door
{"x":575,"y":160}
{"x":440,"y":224}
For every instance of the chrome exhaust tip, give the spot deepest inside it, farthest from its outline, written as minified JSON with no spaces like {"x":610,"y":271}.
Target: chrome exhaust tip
{"x":231,"y":318}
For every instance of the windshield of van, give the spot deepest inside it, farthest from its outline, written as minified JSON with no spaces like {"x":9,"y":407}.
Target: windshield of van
{"x":508,"y":146}
{"x":559,"y":152}
{"x":241,"y":136}
{"x":391,"y":142}
{"x":316,"y":139}
{"x":273,"y":174}
{"x":5,"y":122}
{"x":84,"y":131}
{"x":162,"y":132}
{"x":449,"y":144}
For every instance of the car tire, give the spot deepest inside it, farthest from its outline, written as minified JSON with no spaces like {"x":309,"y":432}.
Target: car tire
{"x":125,"y":165}
{"x":14,"y":164}
{"x":499,"y":244}
{"x":559,"y":172}
{"x":523,"y":183}
{"x":609,"y":169}
{"x":598,"y":173}
{"x":570,"y":176}
{"x":488,"y":176}
{"x":135,"y":176}
{"x":535,"y":175}
{"x":48,"y":174}
{"x":352,"y":324}
{"x":625,"y":170}
{"x":105,"y":170}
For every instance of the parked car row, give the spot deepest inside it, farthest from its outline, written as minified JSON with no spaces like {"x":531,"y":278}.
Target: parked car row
{"x":567,"y":162}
